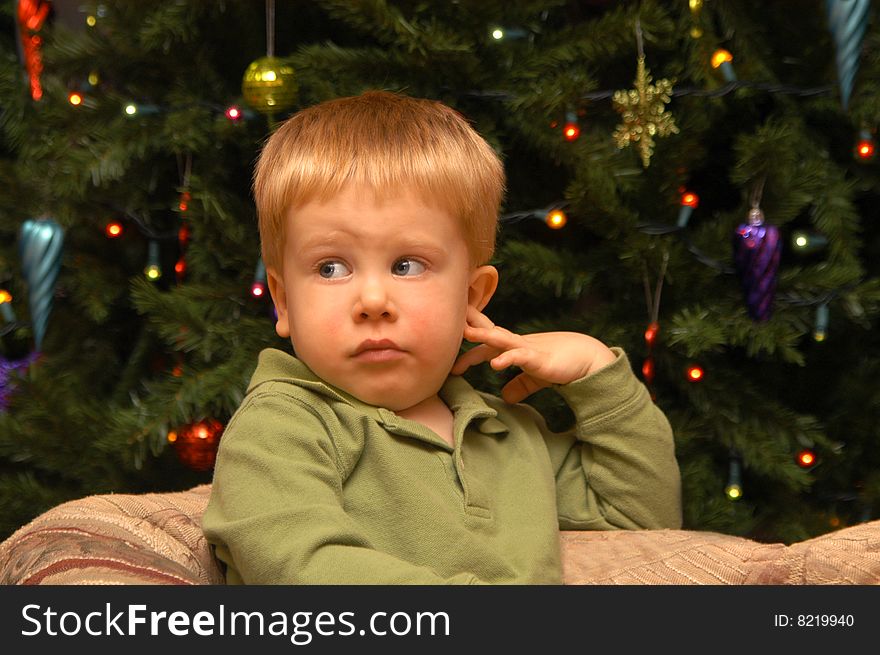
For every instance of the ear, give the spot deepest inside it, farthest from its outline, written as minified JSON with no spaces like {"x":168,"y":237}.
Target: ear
{"x":279,"y":297}
{"x":483,"y":282}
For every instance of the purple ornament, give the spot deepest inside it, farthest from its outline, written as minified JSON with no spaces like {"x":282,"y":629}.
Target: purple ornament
{"x":756,"y":251}
{"x":7,"y":369}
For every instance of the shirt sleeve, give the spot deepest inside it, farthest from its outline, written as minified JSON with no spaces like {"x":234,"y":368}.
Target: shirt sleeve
{"x":276,"y":512}
{"x":616,"y":468}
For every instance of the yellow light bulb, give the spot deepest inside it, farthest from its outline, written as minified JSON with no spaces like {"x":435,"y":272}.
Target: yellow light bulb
{"x":720,"y":57}
{"x":556,"y":219}
{"x":734,"y":491}
{"x":5,"y":296}
{"x":153,"y":272}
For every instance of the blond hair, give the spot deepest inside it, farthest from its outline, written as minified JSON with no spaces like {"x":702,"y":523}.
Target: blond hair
{"x":386,"y":142}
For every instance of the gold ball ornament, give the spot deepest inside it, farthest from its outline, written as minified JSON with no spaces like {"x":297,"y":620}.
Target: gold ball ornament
{"x":269,"y":85}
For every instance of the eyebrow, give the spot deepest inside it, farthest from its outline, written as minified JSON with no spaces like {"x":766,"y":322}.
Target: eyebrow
{"x":323,"y":240}
{"x":334,"y":238}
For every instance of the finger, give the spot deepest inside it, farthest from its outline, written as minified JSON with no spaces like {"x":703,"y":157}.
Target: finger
{"x":472,"y":357}
{"x":496,"y":336}
{"x":476,"y":318}
{"x":521,"y":387}
{"x":526,"y":358}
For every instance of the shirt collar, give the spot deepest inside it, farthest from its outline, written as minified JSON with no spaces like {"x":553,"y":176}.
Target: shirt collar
{"x":466,"y":402}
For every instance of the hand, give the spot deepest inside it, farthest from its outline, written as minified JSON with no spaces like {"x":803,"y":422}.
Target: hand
{"x":545,"y":358}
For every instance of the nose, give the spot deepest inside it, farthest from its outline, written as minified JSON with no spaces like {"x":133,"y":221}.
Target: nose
{"x":373,"y":302}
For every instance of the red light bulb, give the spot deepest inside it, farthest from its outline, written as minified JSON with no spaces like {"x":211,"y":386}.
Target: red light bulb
{"x":651,"y":333}
{"x":113,"y":230}
{"x":74,"y":98}
{"x":690,"y":199}
{"x":865,"y":147}
{"x":180,"y":269}
{"x":258,"y":289}
{"x":806,"y":458}
{"x":648,"y":370}
{"x":695,"y":373}
{"x":233,"y":113}
{"x":571,"y":131}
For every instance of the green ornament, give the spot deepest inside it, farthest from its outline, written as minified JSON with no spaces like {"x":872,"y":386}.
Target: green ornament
{"x":269,"y":86}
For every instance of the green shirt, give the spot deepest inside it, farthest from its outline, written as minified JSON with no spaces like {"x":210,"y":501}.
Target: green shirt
{"x":312,"y":486}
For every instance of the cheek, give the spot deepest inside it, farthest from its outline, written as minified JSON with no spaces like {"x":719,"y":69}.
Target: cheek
{"x":315,"y":316}
{"x":436,"y":316}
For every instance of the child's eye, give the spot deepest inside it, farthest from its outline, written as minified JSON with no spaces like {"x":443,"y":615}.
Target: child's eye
{"x":332,"y":270}
{"x":407,"y":266}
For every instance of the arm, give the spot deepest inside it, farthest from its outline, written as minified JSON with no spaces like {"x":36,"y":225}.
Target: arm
{"x":617,"y":467}
{"x":276,"y":513}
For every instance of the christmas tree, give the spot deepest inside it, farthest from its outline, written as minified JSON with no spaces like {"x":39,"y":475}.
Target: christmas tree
{"x":693,"y":181}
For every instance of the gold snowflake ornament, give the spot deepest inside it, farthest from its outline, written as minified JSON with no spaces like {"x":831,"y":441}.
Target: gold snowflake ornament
{"x":644,"y":113}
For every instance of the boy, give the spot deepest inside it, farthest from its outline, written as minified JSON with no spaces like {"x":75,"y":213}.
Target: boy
{"x":367,"y":459}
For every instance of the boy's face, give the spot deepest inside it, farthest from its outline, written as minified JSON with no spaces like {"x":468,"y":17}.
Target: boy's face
{"x":374,"y":296}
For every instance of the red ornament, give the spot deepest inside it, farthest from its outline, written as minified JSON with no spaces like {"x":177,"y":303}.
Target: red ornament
{"x":196,"y":443}
{"x":806,"y":458}
{"x":31,"y":16}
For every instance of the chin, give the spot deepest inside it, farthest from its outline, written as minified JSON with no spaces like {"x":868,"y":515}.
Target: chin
{"x":393,"y":399}
{"x":395,"y":394}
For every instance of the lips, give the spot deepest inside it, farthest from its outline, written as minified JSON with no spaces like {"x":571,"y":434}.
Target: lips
{"x":378,"y":350}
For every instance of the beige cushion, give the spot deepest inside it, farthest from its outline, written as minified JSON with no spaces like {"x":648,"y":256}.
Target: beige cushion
{"x":114,"y":539}
{"x":157,"y":539}
{"x":681,"y":557}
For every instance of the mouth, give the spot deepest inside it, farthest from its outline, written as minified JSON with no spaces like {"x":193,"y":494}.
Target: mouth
{"x":378,"y":350}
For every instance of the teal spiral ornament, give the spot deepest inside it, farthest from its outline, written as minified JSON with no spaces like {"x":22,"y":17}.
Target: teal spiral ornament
{"x":847,"y":20}
{"x":40,"y":243}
